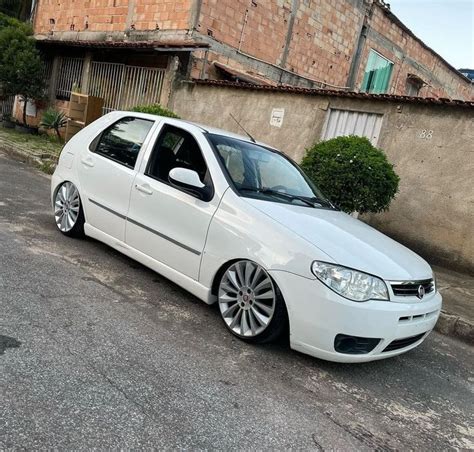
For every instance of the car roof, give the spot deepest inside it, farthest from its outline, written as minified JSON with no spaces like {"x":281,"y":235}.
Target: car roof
{"x":202,"y":127}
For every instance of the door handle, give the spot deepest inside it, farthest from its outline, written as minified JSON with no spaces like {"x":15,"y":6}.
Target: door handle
{"x":87,"y":162}
{"x":144,"y":189}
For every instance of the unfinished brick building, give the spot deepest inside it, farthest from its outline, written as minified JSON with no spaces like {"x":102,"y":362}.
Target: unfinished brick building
{"x":137,"y":48}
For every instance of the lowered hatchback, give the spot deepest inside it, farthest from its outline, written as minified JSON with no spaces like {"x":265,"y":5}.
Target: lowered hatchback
{"x":238,"y":223}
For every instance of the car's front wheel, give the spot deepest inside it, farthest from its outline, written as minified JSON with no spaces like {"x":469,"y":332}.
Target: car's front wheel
{"x":250,"y":303}
{"x":68,"y":213}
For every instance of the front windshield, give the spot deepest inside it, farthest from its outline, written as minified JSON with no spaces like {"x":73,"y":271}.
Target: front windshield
{"x":260,"y":172}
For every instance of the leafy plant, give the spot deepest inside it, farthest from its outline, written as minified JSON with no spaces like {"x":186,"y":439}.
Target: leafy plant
{"x":21,"y":69}
{"x":155,"y":109}
{"x":6,"y":20}
{"x":16,"y":9}
{"x":352,"y":173}
{"x":54,"y":120}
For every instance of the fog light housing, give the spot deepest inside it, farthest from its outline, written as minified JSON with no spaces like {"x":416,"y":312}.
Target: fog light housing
{"x":354,"y":345}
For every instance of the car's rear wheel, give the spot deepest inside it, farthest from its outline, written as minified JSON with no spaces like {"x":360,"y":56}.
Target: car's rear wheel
{"x":68,"y":213}
{"x":250,"y":303}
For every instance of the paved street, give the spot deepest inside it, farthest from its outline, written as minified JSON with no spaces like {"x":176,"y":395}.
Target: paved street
{"x":98,"y":351}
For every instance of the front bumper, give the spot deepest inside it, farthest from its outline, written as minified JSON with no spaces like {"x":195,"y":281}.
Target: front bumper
{"x":317,"y":315}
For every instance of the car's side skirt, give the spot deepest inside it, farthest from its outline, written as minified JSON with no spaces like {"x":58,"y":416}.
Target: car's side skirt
{"x":187,"y":283}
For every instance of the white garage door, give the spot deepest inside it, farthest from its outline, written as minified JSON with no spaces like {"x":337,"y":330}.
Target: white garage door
{"x":346,"y":122}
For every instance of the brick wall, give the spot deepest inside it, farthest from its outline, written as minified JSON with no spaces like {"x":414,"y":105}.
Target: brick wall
{"x":410,"y":56}
{"x":315,"y":39}
{"x":324,"y":41}
{"x":111,"y":15}
{"x":320,"y":42}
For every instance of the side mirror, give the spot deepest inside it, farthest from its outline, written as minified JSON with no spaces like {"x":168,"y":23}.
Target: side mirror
{"x":189,"y":181}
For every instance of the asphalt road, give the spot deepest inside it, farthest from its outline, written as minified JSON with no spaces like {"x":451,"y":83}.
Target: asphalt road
{"x":96,"y":351}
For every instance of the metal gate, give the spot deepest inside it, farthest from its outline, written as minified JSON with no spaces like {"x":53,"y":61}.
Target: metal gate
{"x":6,"y":106}
{"x":124,"y":87}
{"x":69,"y":73}
{"x":346,"y":122}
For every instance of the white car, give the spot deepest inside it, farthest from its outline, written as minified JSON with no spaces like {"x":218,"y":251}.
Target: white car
{"x":237,"y":222}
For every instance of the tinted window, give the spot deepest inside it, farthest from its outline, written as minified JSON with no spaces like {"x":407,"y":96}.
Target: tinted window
{"x":176,"y":148}
{"x":123,"y":140}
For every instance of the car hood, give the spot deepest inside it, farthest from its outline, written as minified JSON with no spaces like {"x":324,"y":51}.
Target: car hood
{"x":348,"y":241}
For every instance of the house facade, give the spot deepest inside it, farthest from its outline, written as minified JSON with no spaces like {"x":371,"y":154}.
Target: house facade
{"x":131,"y":51}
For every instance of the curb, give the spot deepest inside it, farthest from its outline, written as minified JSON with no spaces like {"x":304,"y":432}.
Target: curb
{"x":455,"y":326}
{"x":28,"y":158}
{"x":36,"y":161}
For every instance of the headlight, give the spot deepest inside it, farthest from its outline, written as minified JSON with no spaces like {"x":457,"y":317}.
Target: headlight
{"x":351,"y":284}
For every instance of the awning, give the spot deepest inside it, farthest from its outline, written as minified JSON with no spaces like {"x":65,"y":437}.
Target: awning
{"x":415,"y":79}
{"x":240,"y":76}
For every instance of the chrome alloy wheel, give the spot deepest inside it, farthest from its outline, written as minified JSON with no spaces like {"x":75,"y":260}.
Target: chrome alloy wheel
{"x":247,"y":298}
{"x":66,"y":206}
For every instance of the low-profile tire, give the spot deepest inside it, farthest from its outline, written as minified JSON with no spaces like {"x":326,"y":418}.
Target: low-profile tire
{"x":250,"y":303}
{"x":68,"y":213}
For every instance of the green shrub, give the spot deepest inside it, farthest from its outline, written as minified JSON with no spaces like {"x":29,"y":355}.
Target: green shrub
{"x":352,"y":173}
{"x":54,"y":120}
{"x":155,"y":109}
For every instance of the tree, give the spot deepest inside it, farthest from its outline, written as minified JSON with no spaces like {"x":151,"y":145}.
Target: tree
{"x":352,"y":173}
{"x":19,"y":9}
{"x":21,"y":69}
{"x":8,"y":21}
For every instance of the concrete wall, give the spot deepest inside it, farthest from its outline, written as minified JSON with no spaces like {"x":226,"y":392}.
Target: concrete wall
{"x":434,"y":210}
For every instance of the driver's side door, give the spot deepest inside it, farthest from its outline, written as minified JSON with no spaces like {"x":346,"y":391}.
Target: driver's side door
{"x":165,"y":222}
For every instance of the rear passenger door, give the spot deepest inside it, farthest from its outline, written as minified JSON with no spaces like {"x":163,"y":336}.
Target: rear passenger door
{"x":165,"y":222}
{"x":106,"y":172}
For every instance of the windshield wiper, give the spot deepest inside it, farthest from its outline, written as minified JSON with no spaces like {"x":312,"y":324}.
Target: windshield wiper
{"x":269,"y":191}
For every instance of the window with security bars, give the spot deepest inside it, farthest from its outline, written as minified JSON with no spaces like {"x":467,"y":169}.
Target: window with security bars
{"x":69,"y":74}
{"x":377,"y":74}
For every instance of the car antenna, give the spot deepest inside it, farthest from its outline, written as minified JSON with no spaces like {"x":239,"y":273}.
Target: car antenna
{"x":252,"y":139}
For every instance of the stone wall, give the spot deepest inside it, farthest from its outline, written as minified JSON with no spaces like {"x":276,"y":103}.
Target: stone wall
{"x":430,"y":146}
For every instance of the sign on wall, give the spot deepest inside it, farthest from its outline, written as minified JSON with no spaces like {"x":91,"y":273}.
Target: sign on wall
{"x":276,"y":119}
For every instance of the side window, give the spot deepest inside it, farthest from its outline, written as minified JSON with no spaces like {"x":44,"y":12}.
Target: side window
{"x":123,"y":140}
{"x":377,"y":74}
{"x":176,"y":148}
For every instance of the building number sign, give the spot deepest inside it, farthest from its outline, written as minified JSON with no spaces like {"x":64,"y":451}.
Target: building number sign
{"x":426,"y":134}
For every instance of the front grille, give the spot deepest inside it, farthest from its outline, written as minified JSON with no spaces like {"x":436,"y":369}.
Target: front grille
{"x":411,"y":288}
{"x":402,"y":343}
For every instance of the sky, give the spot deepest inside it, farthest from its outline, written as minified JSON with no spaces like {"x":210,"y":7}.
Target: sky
{"x":447,"y":26}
